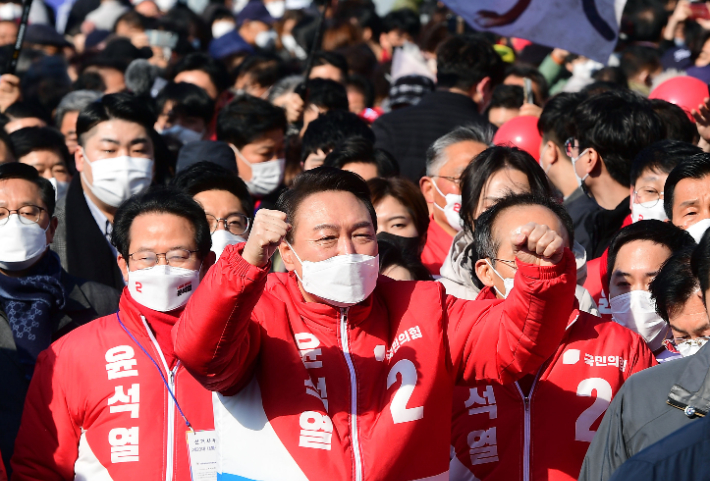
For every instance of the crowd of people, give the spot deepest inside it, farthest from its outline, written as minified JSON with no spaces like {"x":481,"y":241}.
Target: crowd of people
{"x":293,"y":240}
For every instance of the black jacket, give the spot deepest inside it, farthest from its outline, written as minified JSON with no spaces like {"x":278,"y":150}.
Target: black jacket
{"x":580,"y":206}
{"x":603,"y":225}
{"x":85,"y":302}
{"x":682,"y":456}
{"x":651,"y":405}
{"x":80,"y":244}
{"x":407,"y":133}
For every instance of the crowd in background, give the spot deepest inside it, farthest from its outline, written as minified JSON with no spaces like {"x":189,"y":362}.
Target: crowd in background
{"x":301,"y":161}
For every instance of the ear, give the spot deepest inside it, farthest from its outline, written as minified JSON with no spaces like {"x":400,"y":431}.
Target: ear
{"x":287,"y":256}
{"x":593,"y":162}
{"x":52,"y":228}
{"x":551,"y":154}
{"x":631,"y":197}
{"x":427,"y":187}
{"x":207,"y":262}
{"x":483,"y":93}
{"x":484,"y":272}
{"x":123,"y":265}
{"x":79,"y":158}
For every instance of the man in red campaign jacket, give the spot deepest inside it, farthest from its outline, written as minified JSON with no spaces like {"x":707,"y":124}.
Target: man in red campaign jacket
{"x":538,"y":428}
{"x":331,"y":372}
{"x":101,"y":405}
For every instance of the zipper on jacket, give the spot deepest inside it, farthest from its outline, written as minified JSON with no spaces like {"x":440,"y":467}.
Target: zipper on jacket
{"x":690,"y":411}
{"x":170,"y":441}
{"x":353,"y":394}
{"x":527,"y":441}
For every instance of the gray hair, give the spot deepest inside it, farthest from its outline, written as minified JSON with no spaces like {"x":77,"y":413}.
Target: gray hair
{"x":75,"y":101}
{"x":436,"y":154}
{"x":284,"y":86}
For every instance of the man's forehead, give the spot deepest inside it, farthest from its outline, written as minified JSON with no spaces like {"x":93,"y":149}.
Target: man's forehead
{"x":21,"y":188}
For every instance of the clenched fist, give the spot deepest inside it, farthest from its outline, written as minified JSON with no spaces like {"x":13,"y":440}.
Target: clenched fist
{"x":537,"y":244}
{"x":269,"y":229}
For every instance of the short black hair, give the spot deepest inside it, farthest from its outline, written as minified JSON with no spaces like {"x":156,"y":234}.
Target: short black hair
{"x":26,"y":110}
{"x":357,"y":149}
{"x":264,"y":70}
{"x":364,"y":86}
{"x":556,"y":117}
{"x":464,"y":60}
{"x":695,"y":167}
{"x":644,"y":20}
{"x":201,"y":61}
{"x":188,"y":100}
{"x":205,"y":175}
{"x":487,"y":244}
{"x":610,"y":76}
{"x":30,"y":139}
{"x":675,"y":120}
{"x":534,"y":75}
{"x":661,"y":233}
{"x":17,"y":170}
{"x":618,"y":125}
{"x":662,"y":157}
{"x":636,"y":58}
{"x":323,"y":57}
{"x":123,"y":106}
{"x":507,"y":97}
{"x":674,"y":283}
{"x":327,"y":94}
{"x":405,"y":20}
{"x":323,"y":179}
{"x":486,"y":164}
{"x":247,"y":118}
{"x":160,"y":200}
{"x":393,"y":255}
{"x":331,"y":128}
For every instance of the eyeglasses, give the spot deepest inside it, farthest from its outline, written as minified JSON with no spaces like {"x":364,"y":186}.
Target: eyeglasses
{"x":571,"y":147}
{"x":455,"y":180}
{"x":508,"y":263}
{"x":28,"y":214}
{"x":174,"y":258}
{"x":235,"y":224}
{"x":647,"y":194}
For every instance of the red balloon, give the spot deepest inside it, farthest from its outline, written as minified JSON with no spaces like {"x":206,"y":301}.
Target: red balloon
{"x":686,"y":92}
{"x":520,"y":132}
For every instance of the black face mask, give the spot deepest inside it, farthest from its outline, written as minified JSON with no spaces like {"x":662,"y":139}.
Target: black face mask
{"x":409,"y":245}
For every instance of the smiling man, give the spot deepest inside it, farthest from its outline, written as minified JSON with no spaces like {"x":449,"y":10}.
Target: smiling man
{"x":331,"y":372}
{"x":115,"y":161}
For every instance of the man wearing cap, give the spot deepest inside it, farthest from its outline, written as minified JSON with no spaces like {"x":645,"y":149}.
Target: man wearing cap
{"x":254,"y":24}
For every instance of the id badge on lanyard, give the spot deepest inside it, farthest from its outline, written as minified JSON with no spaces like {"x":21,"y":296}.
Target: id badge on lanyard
{"x":202,"y":451}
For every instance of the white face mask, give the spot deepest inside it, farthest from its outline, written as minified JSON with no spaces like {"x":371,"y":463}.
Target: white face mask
{"x":508,"y":283}
{"x":648,"y":211}
{"x":222,"y":27}
{"x":60,"y":188}
{"x":118,"y":178}
{"x":342,"y":281}
{"x":276,"y":9}
{"x":580,"y":180}
{"x":265,"y":39}
{"x":10,"y":11}
{"x":183,"y":134}
{"x":698,"y":229}
{"x":452,"y":208}
{"x":163,"y":288}
{"x":165,"y":5}
{"x":238,"y":6}
{"x":636,"y":310}
{"x":265,"y":176}
{"x":222,"y":238}
{"x":290,"y":44}
{"x":690,"y":346}
{"x":21,"y":245}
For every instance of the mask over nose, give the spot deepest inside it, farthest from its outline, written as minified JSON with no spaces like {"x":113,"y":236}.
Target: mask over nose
{"x":163,"y":288}
{"x":182,"y":134}
{"x":343,"y":280}
{"x":118,"y":178}
{"x":698,"y":229}
{"x":636,"y":310}
{"x":648,"y":211}
{"x":21,"y":245}
{"x":265,"y":176}
{"x":266,"y":40}
{"x":508,"y":283}
{"x":452,"y":209}
{"x":690,"y":346}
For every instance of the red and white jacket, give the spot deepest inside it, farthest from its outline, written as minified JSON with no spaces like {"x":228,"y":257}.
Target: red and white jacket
{"x":501,"y":433}
{"x":97,"y":408}
{"x":311,"y":392}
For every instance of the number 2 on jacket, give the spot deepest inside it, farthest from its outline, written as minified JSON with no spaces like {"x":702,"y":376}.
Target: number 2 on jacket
{"x":582,"y":428}
{"x":400,"y":412}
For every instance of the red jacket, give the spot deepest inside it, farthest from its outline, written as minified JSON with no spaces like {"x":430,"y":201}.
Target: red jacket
{"x":311,"y":392}
{"x":97,"y":408}
{"x":438,"y":243}
{"x":499,"y":433}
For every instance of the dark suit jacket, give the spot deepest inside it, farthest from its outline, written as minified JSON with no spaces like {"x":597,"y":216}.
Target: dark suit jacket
{"x":407,"y":133}
{"x":85,"y":302}
{"x":80,"y":244}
